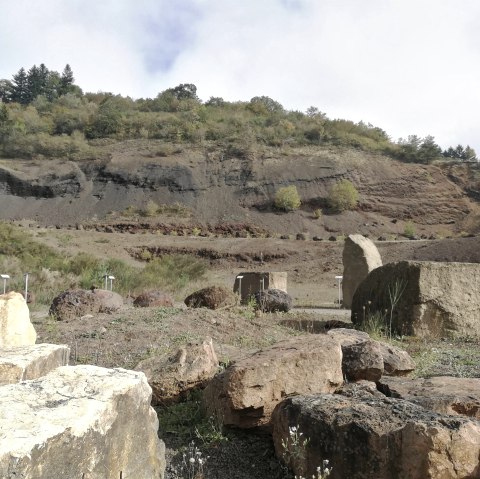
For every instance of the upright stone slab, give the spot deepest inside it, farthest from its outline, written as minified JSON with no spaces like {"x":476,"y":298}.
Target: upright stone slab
{"x":80,"y":422}
{"x":251,"y":283}
{"x":15,"y":326}
{"x":360,"y":256}
{"x":433,"y":299}
{"x":31,"y":362}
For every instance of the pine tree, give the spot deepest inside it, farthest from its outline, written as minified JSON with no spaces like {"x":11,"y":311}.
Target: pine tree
{"x":20,"y":87}
{"x":35,"y":85}
{"x":66,"y":80}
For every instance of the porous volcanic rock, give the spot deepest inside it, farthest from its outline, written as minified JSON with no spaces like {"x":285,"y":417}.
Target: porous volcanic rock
{"x":443,"y":394}
{"x":273,"y":300}
{"x":153,"y":298}
{"x":364,"y":436}
{"x":360,"y":256}
{"x":363,"y":360}
{"x":21,"y":363}
{"x":171,"y":378}
{"x":74,"y":303}
{"x":80,"y":421}
{"x":212,"y":297}
{"x":245,"y":394}
{"x":15,"y":326}
{"x":434,"y":299}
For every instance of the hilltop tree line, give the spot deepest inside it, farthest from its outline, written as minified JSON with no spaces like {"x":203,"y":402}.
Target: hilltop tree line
{"x":43,"y":112}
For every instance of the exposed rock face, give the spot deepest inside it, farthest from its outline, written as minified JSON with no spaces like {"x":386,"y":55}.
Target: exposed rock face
{"x":15,"y":326}
{"x":362,"y":361}
{"x":395,"y":362}
{"x":75,"y":303}
{"x":190,"y":368}
{"x":81,"y":421}
{"x":365,"y":436}
{"x":109,"y":301}
{"x":435,"y":299}
{"x":212,"y":297}
{"x":446,"y":395}
{"x":245,"y":394}
{"x":272,"y":300}
{"x":31,"y":362}
{"x":153,"y":299}
{"x":360,"y":257}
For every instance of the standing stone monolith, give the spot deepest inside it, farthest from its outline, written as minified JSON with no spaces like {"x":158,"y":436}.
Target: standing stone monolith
{"x":360,"y":256}
{"x":15,"y":326}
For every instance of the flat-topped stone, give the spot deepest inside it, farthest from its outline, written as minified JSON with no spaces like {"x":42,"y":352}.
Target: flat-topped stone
{"x":80,"y":422}
{"x":31,"y":362}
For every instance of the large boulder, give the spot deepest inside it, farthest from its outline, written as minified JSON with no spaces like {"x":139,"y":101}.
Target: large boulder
{"x":15,"y":326}
{"x":245,"y":394}
{"x":444,"y":394}
{"x":212,"y":297}
{"x":153,"y":298}
{"x":424,"y":299}
{"x":171,"y":378}
{"x":365,"y":436}
{"x":373,"y":359}
{"x":109,"y":301}
{"x":273,"y":300}
{"x":360,"y":257}
{"x":31,"y":362}
{"x":74,"y":303}
{"x":81,"y":421}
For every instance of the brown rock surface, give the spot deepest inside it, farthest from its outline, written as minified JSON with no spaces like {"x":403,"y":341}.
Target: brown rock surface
{"x":369,"y":437}
{"x":360,"y":256}
{"x":245,"y":394}
{"x":81,"y":421}
{"x":109,"y":300}
{"x":15,"y":326}
{"x":444,"y":394}
{"x":362,"y":361}
{"x":153,"y":298}
{"x":212,"y":297}
{"x":171,"y":378}
{"x":31,"y":362}
{"x":436,"y":300}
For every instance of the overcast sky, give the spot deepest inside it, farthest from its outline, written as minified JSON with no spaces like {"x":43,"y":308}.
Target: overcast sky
{"x":407,"y":66}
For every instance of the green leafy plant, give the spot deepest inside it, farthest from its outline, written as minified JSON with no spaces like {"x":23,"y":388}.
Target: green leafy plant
{"x":343,"y":196}
{"x":287,"y":198}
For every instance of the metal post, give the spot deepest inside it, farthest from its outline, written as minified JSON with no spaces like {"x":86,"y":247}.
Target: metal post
{"x":239,"y":277}
{"x":4,"y":277}
{"x":26,"y":286}
{"x":339,"y":279}
{"x":106,"y":280}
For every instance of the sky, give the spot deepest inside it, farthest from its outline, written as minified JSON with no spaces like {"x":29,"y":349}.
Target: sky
{"x":406,"y":66}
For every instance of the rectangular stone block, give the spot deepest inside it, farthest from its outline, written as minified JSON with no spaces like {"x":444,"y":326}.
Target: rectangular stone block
{"x":80,"y":422}
{"x":253,"y":282}
{"x":31,"y":362}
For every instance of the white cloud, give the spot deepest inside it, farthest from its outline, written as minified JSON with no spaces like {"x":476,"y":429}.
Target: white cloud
{"x":408,"y":66}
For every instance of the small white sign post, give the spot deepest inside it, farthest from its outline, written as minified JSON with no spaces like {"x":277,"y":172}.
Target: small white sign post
{"x":111,"y":278}
{"x":239,"y":277}
{"x":4,"y":277}
{"x":339,"y":280}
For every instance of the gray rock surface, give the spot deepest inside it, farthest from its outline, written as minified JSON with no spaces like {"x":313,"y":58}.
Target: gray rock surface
{"x":360,"y":257}
{"x":15,"y":326}
{"x":365,"y":436}
{"x":80,"y":422}
{"x":273,"y":300}
{"x":212,"y":297}
{"x":31,"y":362}
{"x":435,"y":299}
{"x":245,"y":394}
{"x":443,"y":394}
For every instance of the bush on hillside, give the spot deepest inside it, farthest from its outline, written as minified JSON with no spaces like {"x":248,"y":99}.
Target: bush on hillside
{"x":343,"y":196}
{"x":287,"y":198}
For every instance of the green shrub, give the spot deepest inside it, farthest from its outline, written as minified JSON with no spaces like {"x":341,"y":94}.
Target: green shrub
{"x":343,"y":196}
{"x":287,"y":198}
{"x":409,"y":230}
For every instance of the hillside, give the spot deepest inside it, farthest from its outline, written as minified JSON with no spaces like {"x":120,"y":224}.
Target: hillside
{"x":208,"y":186}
